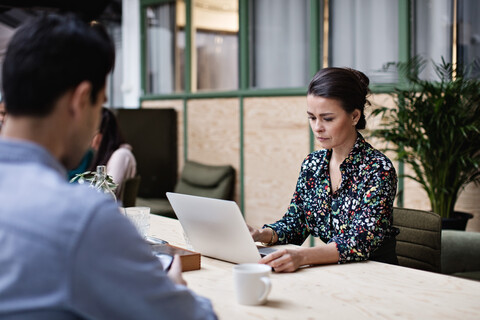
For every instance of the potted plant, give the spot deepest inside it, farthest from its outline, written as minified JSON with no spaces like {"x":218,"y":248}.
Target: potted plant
{"x":435,"y":128}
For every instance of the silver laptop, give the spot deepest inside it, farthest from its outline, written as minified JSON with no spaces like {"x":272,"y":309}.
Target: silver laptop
{"x":216,"y":228}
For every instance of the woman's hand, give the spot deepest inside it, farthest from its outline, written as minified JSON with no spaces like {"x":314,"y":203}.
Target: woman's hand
{"x":265,"y":235}
{"x":290,"y":259}
{"x":175,"y":272}
{"x":255,"y":233}
{"x":284,"y":260}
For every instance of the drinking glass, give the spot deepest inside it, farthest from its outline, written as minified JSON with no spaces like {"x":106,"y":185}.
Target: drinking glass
{"x":140,"y":217}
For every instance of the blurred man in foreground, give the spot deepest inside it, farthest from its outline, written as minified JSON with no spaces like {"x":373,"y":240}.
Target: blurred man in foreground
{"x":65,"y":251}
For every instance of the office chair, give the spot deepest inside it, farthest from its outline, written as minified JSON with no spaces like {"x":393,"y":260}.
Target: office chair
{"x":130,"y":191}
{"x":419,"y":241}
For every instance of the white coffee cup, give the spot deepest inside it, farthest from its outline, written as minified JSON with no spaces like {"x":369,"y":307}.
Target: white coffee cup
{"x":140,"y":217}
{"x":252,"y":283}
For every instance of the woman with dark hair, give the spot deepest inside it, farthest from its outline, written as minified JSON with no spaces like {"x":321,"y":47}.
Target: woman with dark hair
{"x":112,"y":150}
{"x":345,"y":191}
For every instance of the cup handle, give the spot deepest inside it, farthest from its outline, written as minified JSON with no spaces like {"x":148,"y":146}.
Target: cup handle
{"x":268,"y":286}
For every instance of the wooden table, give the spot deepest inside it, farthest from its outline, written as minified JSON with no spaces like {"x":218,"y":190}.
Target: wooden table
{"x":364,"y":290}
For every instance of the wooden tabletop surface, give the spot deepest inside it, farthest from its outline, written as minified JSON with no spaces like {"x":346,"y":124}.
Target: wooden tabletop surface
{"x":364,"y":290}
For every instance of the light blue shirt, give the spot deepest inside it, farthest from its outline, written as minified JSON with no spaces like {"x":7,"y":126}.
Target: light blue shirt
{"x":67,"y":252}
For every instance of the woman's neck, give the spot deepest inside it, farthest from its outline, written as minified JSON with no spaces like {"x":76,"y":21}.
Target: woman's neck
{"x":341,"y":152}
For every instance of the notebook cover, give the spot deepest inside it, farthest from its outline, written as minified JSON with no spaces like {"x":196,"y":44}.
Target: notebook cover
{"x":190,"y":259}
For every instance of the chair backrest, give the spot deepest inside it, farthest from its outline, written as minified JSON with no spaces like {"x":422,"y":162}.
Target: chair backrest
{"x":130,"y":191}
{"x":206,"y":180}
{"x":419,"y":241}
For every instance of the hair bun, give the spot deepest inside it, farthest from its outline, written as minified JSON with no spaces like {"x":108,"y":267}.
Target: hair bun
{"x":363,"y":79}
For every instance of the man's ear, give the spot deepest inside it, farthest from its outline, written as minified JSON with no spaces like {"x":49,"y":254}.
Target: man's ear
{"x":81,"y":96}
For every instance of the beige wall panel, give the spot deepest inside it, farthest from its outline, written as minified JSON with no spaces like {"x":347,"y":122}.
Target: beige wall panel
{"x":276,"y":140}
{"x":214,"y":133}
{"x":414,"y":196}
{"x":178,"y":106}
{"x":373,"y":122}
{"x":377,"y":100}
{"x":468,"y":202}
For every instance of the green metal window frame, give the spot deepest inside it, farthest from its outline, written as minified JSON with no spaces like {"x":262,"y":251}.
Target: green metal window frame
{"x":317,"y":8}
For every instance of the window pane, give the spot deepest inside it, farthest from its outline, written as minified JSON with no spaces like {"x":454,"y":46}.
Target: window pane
{"x":279,"y":36}
{"x":469,"y":33}
{"x":433,"y":33}
{"x":364,"y":36}
{"x":114,"y":79}
{"x":165,"y":47}
{"x":216,"y":41}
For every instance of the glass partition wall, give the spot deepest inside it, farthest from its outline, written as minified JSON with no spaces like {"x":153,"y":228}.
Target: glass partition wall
{"x":432,"y":32}
{"x":215,"y":38}
{"x":280,"y":47}
{"x":209,"y":46}
{"x":364,"y":36}
{"x":165,"y":47}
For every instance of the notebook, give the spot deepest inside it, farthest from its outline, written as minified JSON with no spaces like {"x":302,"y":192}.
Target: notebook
{"x":216,"y":228}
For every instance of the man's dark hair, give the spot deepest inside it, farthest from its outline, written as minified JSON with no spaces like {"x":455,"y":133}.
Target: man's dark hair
{"x":50,"y":55}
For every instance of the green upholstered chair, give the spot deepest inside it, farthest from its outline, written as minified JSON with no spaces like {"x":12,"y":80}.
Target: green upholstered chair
{"x":197,"y":179}
{"x":461,"y":254}
{"x":206,"y":181}
{"x":419,"y":241}
{"x":130,"y":191}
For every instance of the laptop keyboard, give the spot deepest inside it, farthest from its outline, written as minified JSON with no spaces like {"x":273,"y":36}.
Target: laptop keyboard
{"x":265,"y":250}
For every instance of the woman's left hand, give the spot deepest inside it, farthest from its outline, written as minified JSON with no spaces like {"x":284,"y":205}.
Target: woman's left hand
{"x":284,"y":260}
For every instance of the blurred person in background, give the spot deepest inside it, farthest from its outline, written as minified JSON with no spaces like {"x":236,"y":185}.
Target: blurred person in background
{"x":110,"y":149}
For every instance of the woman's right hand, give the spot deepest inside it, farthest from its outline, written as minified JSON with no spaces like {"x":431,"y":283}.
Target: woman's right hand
{"x":255,"y":233}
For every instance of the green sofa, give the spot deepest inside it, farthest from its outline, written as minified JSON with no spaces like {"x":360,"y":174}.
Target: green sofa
{"x":460,"y":255}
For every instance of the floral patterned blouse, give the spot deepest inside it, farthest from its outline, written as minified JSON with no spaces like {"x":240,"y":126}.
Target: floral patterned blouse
{"x":357,"y":217}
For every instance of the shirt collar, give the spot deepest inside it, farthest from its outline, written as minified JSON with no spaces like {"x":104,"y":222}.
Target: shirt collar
{"x":19,"y":151}
{"x":355,"y":157}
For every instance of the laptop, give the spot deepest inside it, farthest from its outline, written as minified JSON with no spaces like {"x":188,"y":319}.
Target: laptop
{"x":216,"y":228}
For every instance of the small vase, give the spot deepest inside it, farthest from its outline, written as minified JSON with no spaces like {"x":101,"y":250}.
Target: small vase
{"x":100,"y":182}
